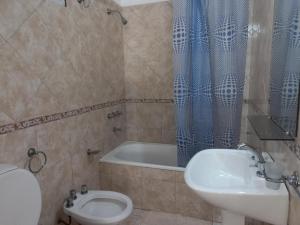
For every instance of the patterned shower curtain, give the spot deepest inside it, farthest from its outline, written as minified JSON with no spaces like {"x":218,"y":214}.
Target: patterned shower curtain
{"x":210,"y":44}
{"x":285,"y":72}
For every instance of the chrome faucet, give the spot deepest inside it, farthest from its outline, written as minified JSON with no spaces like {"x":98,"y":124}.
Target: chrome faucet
{"x":260,"y":162}
{"x":69,"y":202}
{"x":258,"y":154}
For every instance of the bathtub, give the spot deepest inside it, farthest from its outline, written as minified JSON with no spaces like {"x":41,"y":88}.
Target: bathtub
{"x":159,"y":156}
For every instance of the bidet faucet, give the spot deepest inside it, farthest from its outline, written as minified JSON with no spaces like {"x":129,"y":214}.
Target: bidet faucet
{"x":260,"y":162}
{"x":69,"y":202}
{"x":84,"y":189}
{"x":73,"y":194}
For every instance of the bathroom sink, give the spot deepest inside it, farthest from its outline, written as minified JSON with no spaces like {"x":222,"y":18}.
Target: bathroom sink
{"x":227,"y":179}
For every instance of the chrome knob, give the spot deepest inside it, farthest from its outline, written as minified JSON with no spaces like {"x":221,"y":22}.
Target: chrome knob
{"x":84,"y":189}
{"x":69,"y":203}
{"x":294,"y":179}
{"x":73,"y":195}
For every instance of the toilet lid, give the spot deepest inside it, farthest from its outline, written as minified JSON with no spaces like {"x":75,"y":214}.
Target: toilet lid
{"x":20,"y":197}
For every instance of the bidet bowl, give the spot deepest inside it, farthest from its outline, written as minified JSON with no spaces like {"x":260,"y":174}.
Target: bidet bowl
{"x":100,"y":207}
{"x":227,"y":179}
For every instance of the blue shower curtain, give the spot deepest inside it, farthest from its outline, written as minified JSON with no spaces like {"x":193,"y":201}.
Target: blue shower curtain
{"x":210,"y":44}
{"x":285,"y":72}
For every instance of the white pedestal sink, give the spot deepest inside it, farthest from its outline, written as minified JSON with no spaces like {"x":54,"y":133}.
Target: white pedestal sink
{"x":227,"y":179}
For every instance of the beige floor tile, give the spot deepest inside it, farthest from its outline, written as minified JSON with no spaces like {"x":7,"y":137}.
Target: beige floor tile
{"x":136,"y":218}
{"x":194,"y":221}
{"x":159,"y":218}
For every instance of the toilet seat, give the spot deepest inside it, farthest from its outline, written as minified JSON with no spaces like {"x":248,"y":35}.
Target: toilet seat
{"x":100,"y":207}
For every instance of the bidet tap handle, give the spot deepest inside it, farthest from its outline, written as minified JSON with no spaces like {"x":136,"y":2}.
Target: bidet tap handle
{"x":84,"y":189}
{"x":73,"y":195}
{"x":294,"y":179}
{"x":69,"y":203}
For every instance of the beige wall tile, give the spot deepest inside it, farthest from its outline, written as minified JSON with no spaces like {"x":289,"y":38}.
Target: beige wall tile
{"x":36,"y":44}
{"x":148,"y":71}
{"x":12,"y":15}
{"x":126,"y":171}
{"x":131,"y":186}
{"x":159,"y":195}
{"x":190,"y":204}
{"x":168,"y":136}
{"x":158,"y":174}
{"x":51,"y":61}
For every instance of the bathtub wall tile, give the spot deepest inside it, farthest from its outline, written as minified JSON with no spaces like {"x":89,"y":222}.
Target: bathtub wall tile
{"x":131,"y":186}
{"x":105,"y":177}
{"x":153,"y":135}
{"x":159,"y":195}
{"x":168,"y":136}
{"x":180,"y":177}
{"x":188,"y":203}
{"x":148,"y":41}
{"x":156,"y":189}
{"x":149,"y":72}
{"x":105,"y":168}
{"x":126,"y":171}
{"x":151,"y":122}
{"x":217,"y":215}
{"x":158,"y":174}
{"x":105,"y":182}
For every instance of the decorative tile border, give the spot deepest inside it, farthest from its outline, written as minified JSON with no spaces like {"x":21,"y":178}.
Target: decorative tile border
{"x":150,"y":100}
{"x":126,"y":3}
{"x":8,"y":128}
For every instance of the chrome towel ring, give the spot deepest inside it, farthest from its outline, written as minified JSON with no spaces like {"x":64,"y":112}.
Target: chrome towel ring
{"x":32,"y":153}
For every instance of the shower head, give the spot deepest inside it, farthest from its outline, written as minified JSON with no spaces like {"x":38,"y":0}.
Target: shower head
{"x":123,"y":20}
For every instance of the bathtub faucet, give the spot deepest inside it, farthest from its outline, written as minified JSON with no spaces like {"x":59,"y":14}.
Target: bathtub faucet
{"x":116,"y":129}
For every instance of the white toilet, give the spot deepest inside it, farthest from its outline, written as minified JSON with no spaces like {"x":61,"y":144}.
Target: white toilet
{"x":20,"y":196}
{"x":100,"y":207}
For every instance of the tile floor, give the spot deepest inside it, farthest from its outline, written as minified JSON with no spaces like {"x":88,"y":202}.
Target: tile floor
{"x":142,"y":217}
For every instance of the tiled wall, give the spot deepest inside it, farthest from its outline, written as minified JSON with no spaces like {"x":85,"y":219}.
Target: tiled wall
{"x":259,"y":94}
{"x":149,"y":72}
{"x":55,"y":59}
{"x":260,"y":54}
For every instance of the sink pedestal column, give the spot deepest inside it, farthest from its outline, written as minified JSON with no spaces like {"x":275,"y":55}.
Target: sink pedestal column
{"x":230,"y":218}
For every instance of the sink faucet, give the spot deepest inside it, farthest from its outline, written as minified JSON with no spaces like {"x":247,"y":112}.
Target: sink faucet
{"x":261,"y":161}
{"x":247,"y":147}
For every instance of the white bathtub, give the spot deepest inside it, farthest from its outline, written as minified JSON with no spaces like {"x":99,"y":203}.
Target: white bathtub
{"x":159,"y":156}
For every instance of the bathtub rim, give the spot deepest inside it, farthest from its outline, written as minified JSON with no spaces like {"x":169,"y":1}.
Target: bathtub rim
{"x":110,"y":158}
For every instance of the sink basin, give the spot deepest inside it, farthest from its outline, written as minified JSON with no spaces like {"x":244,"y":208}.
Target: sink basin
{"x":227,"y":179}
